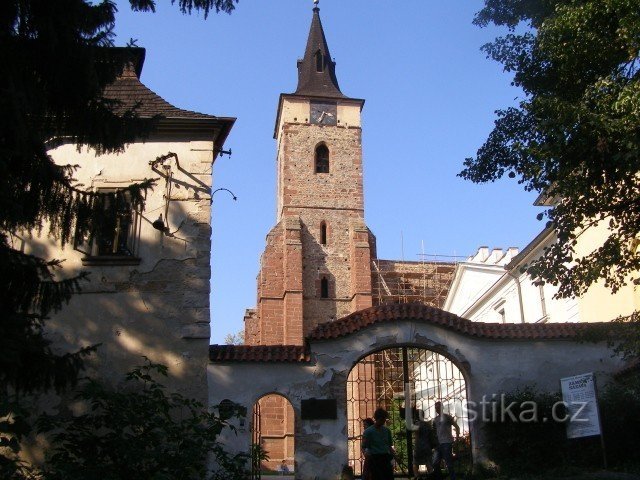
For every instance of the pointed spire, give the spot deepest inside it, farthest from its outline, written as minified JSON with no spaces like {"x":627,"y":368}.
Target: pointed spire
{"x":317,"y":71}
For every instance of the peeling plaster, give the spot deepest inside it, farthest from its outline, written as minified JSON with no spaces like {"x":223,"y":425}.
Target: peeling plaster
{"x":385,"y":341}
{"x":321,"y":446}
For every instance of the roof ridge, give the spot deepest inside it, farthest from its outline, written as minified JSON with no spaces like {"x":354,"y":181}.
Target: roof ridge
{"x":416,"y":311}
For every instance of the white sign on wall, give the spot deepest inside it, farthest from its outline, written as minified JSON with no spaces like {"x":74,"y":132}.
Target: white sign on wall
{"x":579,"y":395}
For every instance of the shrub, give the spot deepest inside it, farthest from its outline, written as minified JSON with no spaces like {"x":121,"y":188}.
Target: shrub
{"x":525,"y":446}
{"x":620,"y":411}
{"x":142,"y":432}
{"x":542,"y":445}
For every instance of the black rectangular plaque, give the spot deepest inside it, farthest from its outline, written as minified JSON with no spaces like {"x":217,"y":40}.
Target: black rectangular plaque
{"x":319,"y":409}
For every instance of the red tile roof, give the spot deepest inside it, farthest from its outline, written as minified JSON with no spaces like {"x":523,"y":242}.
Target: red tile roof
{"x":418,"y":312}
{"x":387,"y":313}
{"x":258,"y":353}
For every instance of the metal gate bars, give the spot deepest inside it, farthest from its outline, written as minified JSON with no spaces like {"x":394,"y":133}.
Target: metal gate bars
{"x":388,"y":378}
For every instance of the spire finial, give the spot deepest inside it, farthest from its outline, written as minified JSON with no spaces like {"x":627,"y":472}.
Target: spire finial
{"x":315,"y":4}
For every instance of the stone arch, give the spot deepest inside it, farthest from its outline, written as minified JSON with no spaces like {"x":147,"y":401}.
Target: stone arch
{"x":493,"y":357}
{"x":462,"y":364}
{"x":400,"y":377}
{"x":273,"y":421}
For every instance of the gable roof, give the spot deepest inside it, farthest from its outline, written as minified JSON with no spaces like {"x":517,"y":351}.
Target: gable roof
{"x":131,"y":93}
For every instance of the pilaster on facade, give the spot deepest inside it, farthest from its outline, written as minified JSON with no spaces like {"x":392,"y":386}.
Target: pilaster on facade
{"x":360,"y":269}
{"x":293,"y":325}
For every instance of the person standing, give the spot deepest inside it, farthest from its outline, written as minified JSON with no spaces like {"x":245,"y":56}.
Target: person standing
{"x":377,"y":445}
{"x":443,"y":422}
{"x":422,"y":454}
{"x":366,"y":470}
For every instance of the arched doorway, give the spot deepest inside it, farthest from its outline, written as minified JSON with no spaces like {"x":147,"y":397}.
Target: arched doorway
{"x":272,"y":435}
{"x":388,"y":377}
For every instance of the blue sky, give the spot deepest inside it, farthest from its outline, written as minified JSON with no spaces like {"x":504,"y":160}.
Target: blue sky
{"x":430,"y":101}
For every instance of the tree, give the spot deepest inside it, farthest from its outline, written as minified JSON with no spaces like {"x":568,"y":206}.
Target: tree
{"x":234,"y":338}
{"x":54,"y":66}
{"x":576,"y":135}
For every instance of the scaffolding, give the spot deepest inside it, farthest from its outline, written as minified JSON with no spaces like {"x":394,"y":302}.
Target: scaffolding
{"x":426,"y":281}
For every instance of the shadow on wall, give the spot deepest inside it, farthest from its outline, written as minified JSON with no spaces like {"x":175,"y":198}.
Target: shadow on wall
{"x":152,"y":302}
{"x":319,"y":286}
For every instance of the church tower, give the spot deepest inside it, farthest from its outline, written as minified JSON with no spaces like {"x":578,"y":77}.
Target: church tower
{"x":316,"y":266}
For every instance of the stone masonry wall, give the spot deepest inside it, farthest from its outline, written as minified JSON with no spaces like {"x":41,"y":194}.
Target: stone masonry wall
{"x":333,"y":199}
{"x":298,"y":257}
{"x":159,"y":307}
{"x":340,"y":189}
{"x":296,"y":260}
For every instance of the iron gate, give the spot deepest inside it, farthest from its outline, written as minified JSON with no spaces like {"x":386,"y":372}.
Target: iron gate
{"x":385,"y":378}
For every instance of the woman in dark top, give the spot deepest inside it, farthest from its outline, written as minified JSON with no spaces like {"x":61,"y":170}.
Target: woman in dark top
{"x":378,"y":447}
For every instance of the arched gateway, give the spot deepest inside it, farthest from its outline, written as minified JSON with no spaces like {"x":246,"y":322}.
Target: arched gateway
{"x":493,"y":358}
{"x":407,"y":382}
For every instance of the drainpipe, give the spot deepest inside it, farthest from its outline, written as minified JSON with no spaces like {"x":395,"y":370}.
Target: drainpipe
{"x":517,"y":280}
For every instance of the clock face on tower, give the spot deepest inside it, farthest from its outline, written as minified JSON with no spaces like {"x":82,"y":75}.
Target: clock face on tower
{"x":324,"y":113}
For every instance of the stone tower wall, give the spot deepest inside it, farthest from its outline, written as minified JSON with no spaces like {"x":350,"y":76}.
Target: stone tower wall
{"x":296,"y":260}
{"x":302,"y":188}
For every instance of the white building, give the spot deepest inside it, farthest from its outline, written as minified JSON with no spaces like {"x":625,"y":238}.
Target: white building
{"x":491,"y":287}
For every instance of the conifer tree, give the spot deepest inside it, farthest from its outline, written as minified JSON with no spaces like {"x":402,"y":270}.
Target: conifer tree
{"x":55,"y":62}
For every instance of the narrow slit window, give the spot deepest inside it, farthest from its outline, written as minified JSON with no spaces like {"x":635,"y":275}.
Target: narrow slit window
{"x":324,"y":288}
{"x":322,"y":159}
{"x":323,"y":233}
{"x":319,"y":62}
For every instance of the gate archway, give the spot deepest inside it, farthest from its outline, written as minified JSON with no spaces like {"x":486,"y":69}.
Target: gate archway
{"x":401,"y":377}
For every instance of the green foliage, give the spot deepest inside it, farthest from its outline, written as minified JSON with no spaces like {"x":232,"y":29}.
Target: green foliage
{"x":525,"y":446}
{"x":234,"y":338}
{"x":620,"y":411}
{"x":519,"y":447}
{"x":14,"y":426}
{"x":396,"y":424}
{"x":54,"y":66}
{"x":258,"y":455}
{"x":622,"y":335}
{"x":139,"y":431}
{"x":576,"y":135}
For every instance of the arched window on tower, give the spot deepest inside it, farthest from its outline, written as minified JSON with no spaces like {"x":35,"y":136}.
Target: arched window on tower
{"x":322,"y":159}
{"x":319,"y":62}
{"x":324,"y":288}
{"x":323,"y":233}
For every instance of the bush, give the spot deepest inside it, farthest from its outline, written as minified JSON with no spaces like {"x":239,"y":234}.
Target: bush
{"x":541,"y":445}
{"x":620,"y":410}
{"x":142,"y":432}
{"x":525,"y":446}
